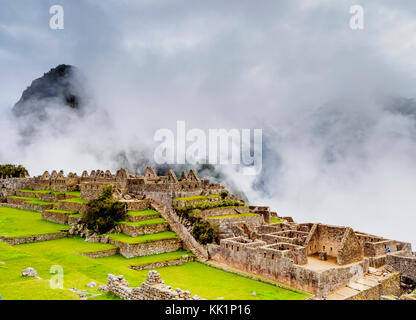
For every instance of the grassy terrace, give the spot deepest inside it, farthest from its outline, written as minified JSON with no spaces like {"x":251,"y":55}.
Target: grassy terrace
{"x":144,"y":222}
{"x":22,"y":223}
{"x":228,"y":216}
{"x":197,"y":197}
{"x":143,"y":213}
{"x":75,"y":200}
{"x":145,"y":238}
{"x":42,"y":202}
{"x":140,"y":261}
{"x":24,"y":198}
{"x":276,"y":220}
{"x":71,"y":193}
{"x":61,"y":211}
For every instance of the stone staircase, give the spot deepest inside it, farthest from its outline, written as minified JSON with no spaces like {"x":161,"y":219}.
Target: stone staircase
{"x":164,"y":206}
{"x":373,"y":285}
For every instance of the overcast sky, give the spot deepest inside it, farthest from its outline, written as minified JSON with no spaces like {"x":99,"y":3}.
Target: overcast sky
{"x":335,"y":104}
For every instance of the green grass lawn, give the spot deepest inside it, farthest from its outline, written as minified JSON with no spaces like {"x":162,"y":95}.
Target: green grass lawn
{"x":79,"y":270}
{"x":144,"y":222}
{"x":276,"y":220}
{"x":238,"y":215}
{"x":22,"y":223}
{"x":145,"y":238}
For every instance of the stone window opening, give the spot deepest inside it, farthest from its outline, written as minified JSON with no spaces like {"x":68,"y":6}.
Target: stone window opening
{"x":323,"y":247}
{"x":226,"y":245}
{"x":265,"y":255}
{"x":238,"y":248}
{"x":272,"y":256}
{"x":232,"y":247}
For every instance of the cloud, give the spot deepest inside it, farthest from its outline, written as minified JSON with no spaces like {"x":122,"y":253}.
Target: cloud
{"x":339,"y":139}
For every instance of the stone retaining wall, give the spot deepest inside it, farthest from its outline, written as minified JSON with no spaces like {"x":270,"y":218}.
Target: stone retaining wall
{"x":131,"y":250}
{"x":131,"y":218}
{"x":137,"y":205}
{"x":404,"y":262}
{"x":101,"y":254}
{"x":72,"y":206}
{"x":224,"y":211}
{"x":57,"y":217}
{"x":169,"y":263}
{"x":135,"y":231}
{"x":36,"y":238}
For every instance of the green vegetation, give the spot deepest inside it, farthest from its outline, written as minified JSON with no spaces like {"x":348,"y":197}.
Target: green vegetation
{"x":224,"y":194}
{"x":276,"y":220}
{"x":144,"y":222}
{"x":22,"y":223}
{"x":10,"y":170}
{"x":103,"y":213}
{"x":147,"y":212}
{"x":228,"y":216}
{"x":145,"y":238}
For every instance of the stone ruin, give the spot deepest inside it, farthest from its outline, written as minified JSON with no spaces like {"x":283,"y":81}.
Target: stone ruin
{"x":313,"y":257}
{"x":316,"y":258}
{"x":153,"y":288}
{"x":91,"y":184}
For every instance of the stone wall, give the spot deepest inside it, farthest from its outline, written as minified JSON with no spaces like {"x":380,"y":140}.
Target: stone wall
{"x":72,"y":206}
{"x":350,"y":249}
{"x":162,"y":264}
{"x":57,"y":217}
{"x":404,"y":262}
{"x":15,"y":183}
{"x":135,"y":231}
{"x":153,"y":288}
{"x":224,"y":211}
{"x":279,"y":264}
{"x":137,"y":205}
{"x":131,"y":250}
{"x":228,"y":223}
{"x":101,"y":254}
{"x":35,"y":238}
